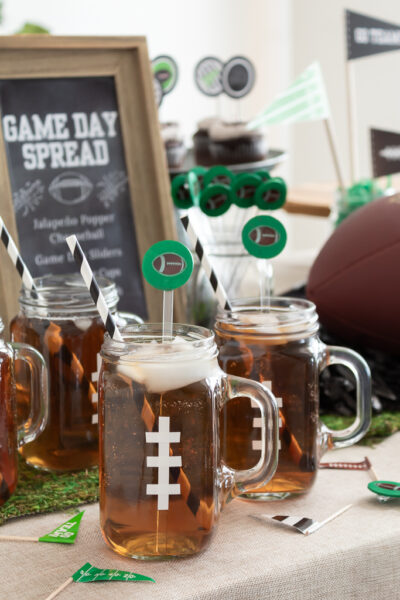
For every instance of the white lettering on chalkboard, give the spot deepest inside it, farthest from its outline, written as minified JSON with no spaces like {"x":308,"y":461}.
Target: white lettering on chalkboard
{"x":58,"y":141}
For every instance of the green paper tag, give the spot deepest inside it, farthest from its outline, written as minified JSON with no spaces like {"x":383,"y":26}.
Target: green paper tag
{"x":219,"y":174}
{"x":264,"y":236}
{"x":385,"y":488}
{"x":194,"y":187}
{"x":180,"y":192}
{"x":215,"y":200}
{"x":244,"y":189}
{"x":167,"y":265}
{"x":271,"y":194}
{"x":65,"y":533}
{"x":88,"y":574}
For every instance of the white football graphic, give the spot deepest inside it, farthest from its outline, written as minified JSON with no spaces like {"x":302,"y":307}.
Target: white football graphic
{"x":70,"y":188}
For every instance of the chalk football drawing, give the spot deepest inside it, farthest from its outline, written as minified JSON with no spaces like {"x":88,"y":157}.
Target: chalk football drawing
{"x":70,"y":188}
{"x":28,"y":198}
{"x":110,"y":186}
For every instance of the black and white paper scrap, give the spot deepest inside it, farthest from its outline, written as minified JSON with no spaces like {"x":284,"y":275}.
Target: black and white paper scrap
{"x":304,"y":525}
{"x":367,"y":36}
{"x":385,"y":152}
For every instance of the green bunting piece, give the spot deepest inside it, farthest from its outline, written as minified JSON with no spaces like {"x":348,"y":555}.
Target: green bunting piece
{"x":264,"y":236}
{"x":65,"y":533}
{"x":167,"y":265}
{"x":89,"y":574}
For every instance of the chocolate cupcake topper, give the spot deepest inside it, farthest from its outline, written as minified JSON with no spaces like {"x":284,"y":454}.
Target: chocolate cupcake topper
{"x":238,"y":77}
{"x":207,"y":75}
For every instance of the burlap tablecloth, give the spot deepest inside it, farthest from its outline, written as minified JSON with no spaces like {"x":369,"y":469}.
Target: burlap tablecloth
{"x":354,"y":557}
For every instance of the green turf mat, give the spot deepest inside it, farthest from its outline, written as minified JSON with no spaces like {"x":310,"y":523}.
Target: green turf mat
{"x":42,"y":492}
{"x":382,"y":426}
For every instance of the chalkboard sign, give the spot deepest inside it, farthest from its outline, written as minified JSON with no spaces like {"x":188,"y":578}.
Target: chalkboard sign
{"x":82,"y":154}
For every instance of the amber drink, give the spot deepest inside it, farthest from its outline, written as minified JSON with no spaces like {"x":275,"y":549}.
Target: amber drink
{"x":279,"y":347}
{"x":161,"y":477}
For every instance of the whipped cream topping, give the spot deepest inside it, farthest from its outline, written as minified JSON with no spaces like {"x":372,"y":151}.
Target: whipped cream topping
{"x":170,"y":132}
{"x":166,"y":366}
{"x":230,"y":131}
{"x":208,"y":122}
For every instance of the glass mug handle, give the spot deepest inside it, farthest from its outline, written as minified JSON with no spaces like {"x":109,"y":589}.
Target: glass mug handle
{"x":39,"y":396}
{"x":240,"y":481}
{"x":331,"y":438}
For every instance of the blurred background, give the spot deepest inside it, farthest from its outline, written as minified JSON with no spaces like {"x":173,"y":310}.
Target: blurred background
{"x":281,"y":39}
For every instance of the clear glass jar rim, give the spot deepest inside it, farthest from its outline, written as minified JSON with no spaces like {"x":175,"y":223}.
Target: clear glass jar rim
{"x":289,"y":317}
{"x":62,"y":293}
{"x":135,"y":337}
{"x":1,"y":326}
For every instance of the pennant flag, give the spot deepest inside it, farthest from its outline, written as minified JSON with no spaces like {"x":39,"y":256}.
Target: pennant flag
{"x":304,"y":525}
{"x":65,"y":533}
{"x":304,"y":100}
{"x":88,"y":573}
{"x":385,"y":151}
{"x":367,"y":36}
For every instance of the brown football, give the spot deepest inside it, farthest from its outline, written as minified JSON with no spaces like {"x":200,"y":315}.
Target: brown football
{"x":355,"y":280}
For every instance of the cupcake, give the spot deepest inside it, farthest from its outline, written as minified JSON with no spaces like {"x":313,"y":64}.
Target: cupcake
{"x":174,"y":145}
{"x":201,"y":141}
{"x":233,"y":143}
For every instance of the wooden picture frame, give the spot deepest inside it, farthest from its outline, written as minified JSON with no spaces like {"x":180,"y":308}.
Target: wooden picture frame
{"x":125,"y":59}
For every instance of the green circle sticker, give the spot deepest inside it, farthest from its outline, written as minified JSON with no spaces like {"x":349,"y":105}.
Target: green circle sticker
{"x":264,"y":236}
{"x":215,"y":200}
{"x":218,"y":174}
{"x":385,"y":488}
{"x":165,"y":70}
{"x":167,"y":265}
{"x":271,"y":194}
{"x":244,"y":189}
{"x":180,"y":191}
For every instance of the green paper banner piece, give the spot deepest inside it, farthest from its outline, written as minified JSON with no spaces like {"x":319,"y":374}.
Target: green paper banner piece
{"x":167,"y":265}
{"x":88,"y":574}
{"x":180,"y":192}
{"x":218,"y":174}
{"x":215,"y":200}
{"x":244,"y":189}
{"x":264,"y":236}
{"x":165,"y":70}
{"x":271,"y":194}
{"x":194,"y":187}
{"x":65,"y":533}
{"x":385,"y":488}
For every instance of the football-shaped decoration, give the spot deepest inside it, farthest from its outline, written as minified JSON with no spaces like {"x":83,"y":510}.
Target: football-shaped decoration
{"x":169,"y":264}
{"x":70,"y":188}
{"x":355,"y":280}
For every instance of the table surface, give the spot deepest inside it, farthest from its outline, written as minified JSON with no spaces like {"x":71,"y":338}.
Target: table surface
{"x":356,"y":556}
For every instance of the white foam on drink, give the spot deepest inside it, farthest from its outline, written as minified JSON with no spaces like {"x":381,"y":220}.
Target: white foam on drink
{"x":162,"y":367}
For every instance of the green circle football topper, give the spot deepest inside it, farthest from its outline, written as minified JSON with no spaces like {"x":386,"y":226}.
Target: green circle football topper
{"x":167,"y":265}
{"x":385,"y":488}
{"x":264,"y":236}
{"x":165,"y":70}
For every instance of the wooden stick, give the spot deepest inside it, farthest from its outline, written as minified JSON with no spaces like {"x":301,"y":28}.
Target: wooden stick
{"x":16,"y":538}
{"x":373,"y":474}
{"x":325,"y":521}
{"x":334,"y":151}
{"x":351,"y":113}
{"x":60,"y":589}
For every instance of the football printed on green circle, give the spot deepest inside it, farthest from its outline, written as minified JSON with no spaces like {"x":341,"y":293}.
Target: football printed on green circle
{"x":167,"y":265}
{"x":264,"y":236}
{"x":271,"y":194}
{"x":244,"y":189}
{"x":165,"y":70}
{"x":180,"y":191}
{"x":218,"y":174}
{"x":385,"y":488}
{"x":215,"y":200}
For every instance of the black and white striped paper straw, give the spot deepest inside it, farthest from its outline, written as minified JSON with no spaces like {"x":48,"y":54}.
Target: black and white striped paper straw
{"x":205,"y":263}
{"x":93,"y":287}
{"x":17,"y":260}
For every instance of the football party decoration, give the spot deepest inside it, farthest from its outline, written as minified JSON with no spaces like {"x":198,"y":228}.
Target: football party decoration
{"x":235,"y":78}
{"x":165,"y":74}
{"x":89,"y":574}
{"x":63,"y":534}
{"x":385,"y":152}
{"x":304,"y":100}
{"x":365,"y":36}
{"x":386,"y":490}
